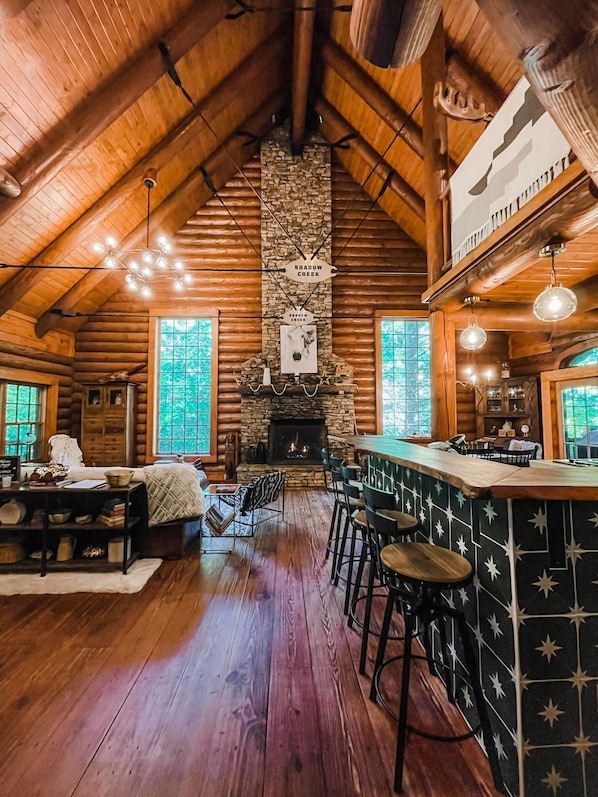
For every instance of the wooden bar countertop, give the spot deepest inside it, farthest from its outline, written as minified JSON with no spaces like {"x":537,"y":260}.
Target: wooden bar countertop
{"x":482,"y":478}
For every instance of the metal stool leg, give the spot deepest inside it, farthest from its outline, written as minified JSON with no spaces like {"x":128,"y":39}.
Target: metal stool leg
{"x":390,"y":602}
{"x":404,"y":706}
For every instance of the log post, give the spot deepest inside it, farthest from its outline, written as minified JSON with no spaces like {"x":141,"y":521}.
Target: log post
{"x":436,"y":149}
{"x":444,"y":387}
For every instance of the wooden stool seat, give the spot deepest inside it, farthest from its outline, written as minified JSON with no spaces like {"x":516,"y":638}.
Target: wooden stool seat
{"x":429,"y":564}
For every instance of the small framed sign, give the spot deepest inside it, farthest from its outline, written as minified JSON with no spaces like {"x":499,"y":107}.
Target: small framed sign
{"x":10,"y":466}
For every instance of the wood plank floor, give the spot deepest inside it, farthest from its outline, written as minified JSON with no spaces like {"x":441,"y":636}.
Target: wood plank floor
{"x":227,"y":676}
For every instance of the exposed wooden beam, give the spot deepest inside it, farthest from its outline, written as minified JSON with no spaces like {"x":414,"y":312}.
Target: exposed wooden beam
{"x":90,"y":118}
{"x":562,"y":211}
{"x":217,"y":102}
{"x":436,"y":148}
{"x":370,"y":92}
{"x":557,"y":45}
{"x":12,"y":8}
{"x":391,"y":34}
{"x":302,"y":53}
{"x":173,"y":212}
{"x":518,"y":317}
{"x":335,"y":127}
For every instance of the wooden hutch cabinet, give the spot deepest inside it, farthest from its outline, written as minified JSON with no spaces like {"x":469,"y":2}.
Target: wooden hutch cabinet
{"x":512,"y":401}
{"x":108,"y":424}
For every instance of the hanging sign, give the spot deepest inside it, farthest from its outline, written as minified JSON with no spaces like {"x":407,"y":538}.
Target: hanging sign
{"x":309,"y":269}
{"x":297,"y":316}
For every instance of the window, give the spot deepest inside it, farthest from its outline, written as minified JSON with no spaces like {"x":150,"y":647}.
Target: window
{"x":404,"y":393}
{"x":22,"y":416}
{"x":589,"y":357}
{"x":184,"y":397}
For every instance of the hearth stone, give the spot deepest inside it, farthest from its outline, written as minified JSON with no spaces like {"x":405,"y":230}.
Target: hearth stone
{"x":298,"y":477}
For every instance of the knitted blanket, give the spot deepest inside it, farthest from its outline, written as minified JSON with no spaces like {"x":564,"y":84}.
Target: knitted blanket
{"x":173,"y":493}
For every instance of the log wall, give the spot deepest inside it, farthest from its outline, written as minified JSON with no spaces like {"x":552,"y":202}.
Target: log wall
{"x":366,"y":247}
{"x":21,"y":349}
{"x":221,"y":250}
{"x":379,"y":268}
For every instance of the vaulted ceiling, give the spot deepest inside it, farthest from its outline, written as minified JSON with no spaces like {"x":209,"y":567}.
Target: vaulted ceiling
{"x":89,"y":101}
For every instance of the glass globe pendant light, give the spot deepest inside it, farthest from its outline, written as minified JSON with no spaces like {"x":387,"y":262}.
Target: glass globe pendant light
{"x":555,"y":303}
{"x":473,"y":337}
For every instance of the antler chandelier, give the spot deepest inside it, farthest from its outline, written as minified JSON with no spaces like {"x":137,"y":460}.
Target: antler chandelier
{"x":142,"y":264}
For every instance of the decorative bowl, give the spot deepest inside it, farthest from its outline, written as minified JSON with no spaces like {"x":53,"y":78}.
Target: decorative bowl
{"x":119,"y":477}
{"x":60,"y":516}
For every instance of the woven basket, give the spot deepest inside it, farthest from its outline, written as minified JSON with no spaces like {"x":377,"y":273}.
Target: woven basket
{"x":11,"y":552}
{"x":120,"y":477}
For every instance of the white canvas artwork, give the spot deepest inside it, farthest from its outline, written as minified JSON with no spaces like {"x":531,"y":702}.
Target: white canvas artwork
{"x":518,"y":154}
{"x":298,"y":349}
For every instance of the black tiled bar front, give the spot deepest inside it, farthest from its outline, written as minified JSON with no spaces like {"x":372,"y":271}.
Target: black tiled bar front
{"x":532,"y":610}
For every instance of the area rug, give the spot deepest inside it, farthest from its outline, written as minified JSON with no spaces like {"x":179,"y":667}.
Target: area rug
{"x":62,"y":583}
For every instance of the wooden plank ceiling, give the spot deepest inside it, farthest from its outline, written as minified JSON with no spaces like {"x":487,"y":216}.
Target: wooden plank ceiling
{"x":87,"y":106}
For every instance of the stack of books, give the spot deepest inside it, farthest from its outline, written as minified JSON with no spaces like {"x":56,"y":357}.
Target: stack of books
{"x":113,"y":513}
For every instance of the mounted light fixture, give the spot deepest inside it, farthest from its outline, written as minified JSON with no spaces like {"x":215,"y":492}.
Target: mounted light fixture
{"x":140,"y":264}
{"x":555,"y":303}
{"x":474,"y":337}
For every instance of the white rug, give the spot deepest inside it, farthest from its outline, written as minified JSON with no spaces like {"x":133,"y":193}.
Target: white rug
{"x":61,"y":583}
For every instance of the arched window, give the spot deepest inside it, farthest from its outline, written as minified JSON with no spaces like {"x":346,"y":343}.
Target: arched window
{"x":589,"y":357}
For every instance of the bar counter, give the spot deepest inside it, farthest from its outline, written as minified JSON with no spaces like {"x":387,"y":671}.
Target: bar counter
{"x":532,"y":537}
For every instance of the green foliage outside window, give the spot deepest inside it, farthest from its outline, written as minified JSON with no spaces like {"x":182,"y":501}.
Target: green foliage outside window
{"x":23,"y":425}
{"x":580,"y":412}
{"x":406,"y":389}
{"x":185,"y":385}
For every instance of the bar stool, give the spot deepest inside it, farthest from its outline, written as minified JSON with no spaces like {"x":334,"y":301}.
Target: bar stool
{"x":336,"y":488}
{"x":355,"y":519}
{"x":326,"y":469}
{"x":404,"y":527}
{"x":415,"y":574}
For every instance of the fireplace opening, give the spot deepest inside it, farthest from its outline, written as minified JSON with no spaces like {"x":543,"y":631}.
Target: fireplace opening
{"x":296,"y":441}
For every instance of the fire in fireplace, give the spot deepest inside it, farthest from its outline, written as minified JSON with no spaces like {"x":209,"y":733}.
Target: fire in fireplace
{"x":296,"y":441}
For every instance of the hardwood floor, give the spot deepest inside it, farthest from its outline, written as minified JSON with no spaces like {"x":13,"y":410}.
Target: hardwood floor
{"x":226,"y":676}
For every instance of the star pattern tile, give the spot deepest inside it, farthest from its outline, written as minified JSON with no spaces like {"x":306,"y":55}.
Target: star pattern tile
{"x":550,"y":713}
{"x":537,"y":639}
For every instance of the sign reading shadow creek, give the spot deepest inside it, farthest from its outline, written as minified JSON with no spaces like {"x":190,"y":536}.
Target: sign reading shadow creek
{"x":308,"y":270}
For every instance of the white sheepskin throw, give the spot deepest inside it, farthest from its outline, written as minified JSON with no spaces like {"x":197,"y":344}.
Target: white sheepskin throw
{"x":64,"y":450}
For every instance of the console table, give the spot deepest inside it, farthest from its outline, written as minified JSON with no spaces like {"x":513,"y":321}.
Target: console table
{"x":39,"y":534}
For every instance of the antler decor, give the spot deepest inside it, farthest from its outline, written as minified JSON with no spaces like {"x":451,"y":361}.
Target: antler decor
{"x":449,"y":101}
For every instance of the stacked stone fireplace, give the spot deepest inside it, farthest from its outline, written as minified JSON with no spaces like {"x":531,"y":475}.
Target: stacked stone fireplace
{"x":297,"y":189}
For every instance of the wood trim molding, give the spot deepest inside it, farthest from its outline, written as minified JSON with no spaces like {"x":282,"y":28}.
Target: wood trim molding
{"x":549,"y":382}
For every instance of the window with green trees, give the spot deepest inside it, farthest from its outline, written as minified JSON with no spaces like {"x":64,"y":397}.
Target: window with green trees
{"x":22,"y":419}
{"x":185,"y":389}
{"x":579,"y":402}
{"x":404,"y":357}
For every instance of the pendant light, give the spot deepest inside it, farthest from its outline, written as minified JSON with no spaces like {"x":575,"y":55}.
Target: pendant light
{"x":474,"y":337}
{"x":555,"y":303}
{"x":153,"y":258}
